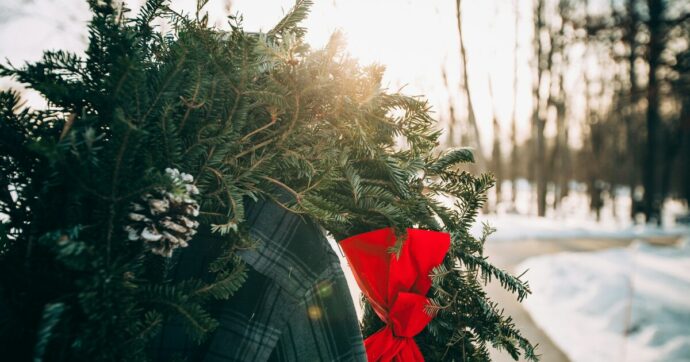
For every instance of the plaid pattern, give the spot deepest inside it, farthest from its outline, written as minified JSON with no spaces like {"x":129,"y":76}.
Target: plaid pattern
{"x":295,"y":305}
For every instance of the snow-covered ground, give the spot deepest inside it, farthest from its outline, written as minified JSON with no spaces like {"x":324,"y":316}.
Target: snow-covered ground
{"x":623,"y":304}
{"x":520,"y":227}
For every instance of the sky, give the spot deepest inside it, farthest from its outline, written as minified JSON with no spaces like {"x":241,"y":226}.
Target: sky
{"x":414,"y":39}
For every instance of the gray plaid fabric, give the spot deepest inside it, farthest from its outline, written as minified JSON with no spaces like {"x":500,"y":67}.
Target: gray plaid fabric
{"x":295,"y":305}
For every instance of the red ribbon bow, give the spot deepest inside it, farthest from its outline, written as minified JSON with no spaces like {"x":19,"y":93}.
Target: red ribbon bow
{"x":396,"y":287}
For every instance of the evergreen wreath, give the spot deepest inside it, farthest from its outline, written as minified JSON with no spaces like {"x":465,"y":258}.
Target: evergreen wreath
{"x":244,"y":115}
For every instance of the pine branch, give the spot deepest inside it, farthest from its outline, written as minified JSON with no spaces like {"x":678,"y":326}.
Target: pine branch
{"x":293,"y":18}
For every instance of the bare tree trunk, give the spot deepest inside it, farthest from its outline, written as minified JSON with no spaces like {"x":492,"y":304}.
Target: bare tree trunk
{"x":537,"y":118}
{"x":452,"y":122}
{"x":672,"y":145}
{"x":651,"y":202}
{"x":595,"y":134}
{"x":685,"y":129}
{"x":564,"y":168}
{"x":567,"y":163}
{"x":561,"y":149}
{"x":631,"y":139}
{"x":557,"y":100}
{"x":471,"y":118}
{"x":513,"y":134}
{"x":496,"y":154}
{"x":686,"y":170}
{"x":497,"y":158}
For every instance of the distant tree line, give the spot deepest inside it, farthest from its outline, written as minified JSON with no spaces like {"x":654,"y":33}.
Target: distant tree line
{"x":630,"y":101}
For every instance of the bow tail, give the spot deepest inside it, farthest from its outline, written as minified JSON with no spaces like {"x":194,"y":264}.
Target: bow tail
{"x":384,"y":346}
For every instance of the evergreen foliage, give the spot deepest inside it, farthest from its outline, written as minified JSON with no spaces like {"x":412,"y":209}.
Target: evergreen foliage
{"x":248,"y":115}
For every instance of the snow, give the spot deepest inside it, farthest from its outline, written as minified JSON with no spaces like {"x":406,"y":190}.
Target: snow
{"x":623,"y":304}
{"x":511,"y":227}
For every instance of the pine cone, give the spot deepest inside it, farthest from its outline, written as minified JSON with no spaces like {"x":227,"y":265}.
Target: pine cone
{"x":165,"y":219}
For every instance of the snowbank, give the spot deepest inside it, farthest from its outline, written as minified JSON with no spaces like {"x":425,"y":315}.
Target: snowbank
{"x":630,"y":304}
{"x":523,"y":227}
